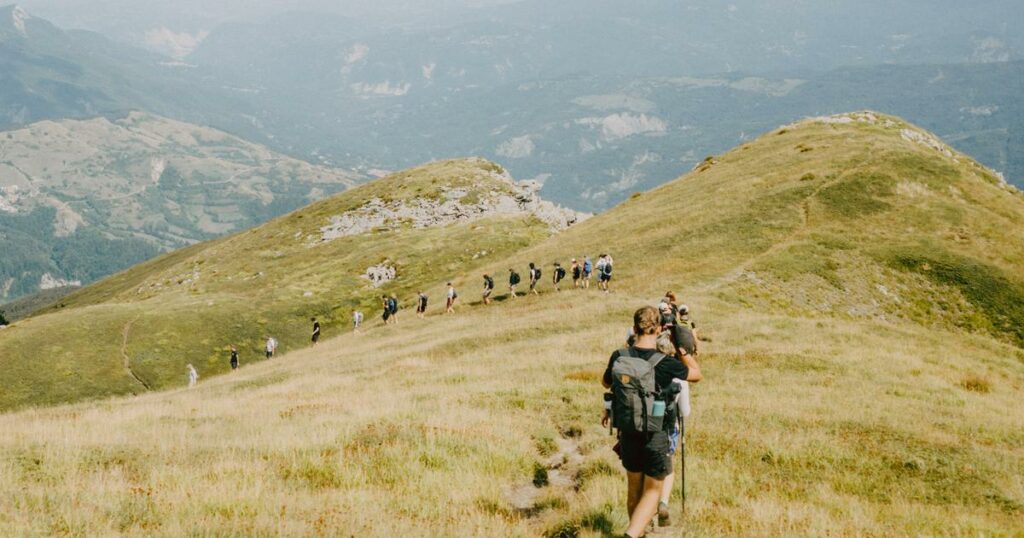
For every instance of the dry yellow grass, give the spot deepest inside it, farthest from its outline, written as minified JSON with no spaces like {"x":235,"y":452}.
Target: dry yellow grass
{"x":863,"y":378}
{"x":437,"y":428}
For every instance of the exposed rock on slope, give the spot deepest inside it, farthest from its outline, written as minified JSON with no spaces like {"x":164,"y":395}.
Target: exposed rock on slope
{"x":453,"y":205}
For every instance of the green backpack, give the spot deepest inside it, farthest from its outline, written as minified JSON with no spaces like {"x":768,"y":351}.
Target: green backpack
{"x":634,"y":391}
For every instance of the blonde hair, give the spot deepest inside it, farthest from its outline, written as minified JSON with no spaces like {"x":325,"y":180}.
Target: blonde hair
{"x":647,"y":320}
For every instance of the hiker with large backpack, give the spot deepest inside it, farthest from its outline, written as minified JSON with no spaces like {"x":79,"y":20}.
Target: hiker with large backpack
{"x":558,"y":276}
{"x":393,"y":306}
{"x":513,"y":281}
{"x":577,"y":273}
{"x":676,"y":320}
{"x":588,"y":269}
{"x":643,"y":411}
{"x":604,"y":272}
{"x":316,"y":331}
{"x":534,"y":278}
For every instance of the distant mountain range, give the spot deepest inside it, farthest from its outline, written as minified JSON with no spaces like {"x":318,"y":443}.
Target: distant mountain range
{"x":599,"y":101}
{"x":80,"y":199}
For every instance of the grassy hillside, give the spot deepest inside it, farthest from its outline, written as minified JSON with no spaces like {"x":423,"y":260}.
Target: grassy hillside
{"x":188,"y":306}
{"x":825,"y":410}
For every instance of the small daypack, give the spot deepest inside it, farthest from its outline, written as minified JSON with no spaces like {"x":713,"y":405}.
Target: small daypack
{"x":514,"y":279}
{"x":536,"y":275}
{"x":490,"y":283}
{"x":392,"y":305}
{"x":634,"y":391}
{"x":560,"y":273}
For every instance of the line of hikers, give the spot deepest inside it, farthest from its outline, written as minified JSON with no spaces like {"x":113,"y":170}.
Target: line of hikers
{"x":648,"y":399}
{"x":648,"y":381}
{"x":582,"y":274}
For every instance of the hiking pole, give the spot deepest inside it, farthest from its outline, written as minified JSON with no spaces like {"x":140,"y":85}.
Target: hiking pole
{"x":608,"y":407}
{"x":682,"y":463}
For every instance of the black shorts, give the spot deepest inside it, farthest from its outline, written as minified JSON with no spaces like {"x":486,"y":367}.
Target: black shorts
{"x":316,"y":337}
{"x":270,"y":354}
{"x":646,"y":453}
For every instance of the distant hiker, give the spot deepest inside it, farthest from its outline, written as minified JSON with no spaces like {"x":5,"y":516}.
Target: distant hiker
{"x":604,"y":272}
{"x":316,"y":331}
{"x":558,"y":276}
{"x":385,"y":307}
{"x":193,"y":376}
{"x":357,"y":320}
{"x":421,"y":305}
{"x":488,"y":289}
{"x":234,"y":358}
{"x":588,"y":269}
{"x":675,"y":320}
{"x":271,"y":347}
{"x":513,"y":281}
{"x":392,"y":303}
{"x":452,"y":296}
{"x":577,"y":273}
{"x":534,"y":277}
{"x":643,"y":411}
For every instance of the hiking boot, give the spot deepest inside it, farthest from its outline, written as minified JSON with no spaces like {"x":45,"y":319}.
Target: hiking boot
{"x":664,"y":518}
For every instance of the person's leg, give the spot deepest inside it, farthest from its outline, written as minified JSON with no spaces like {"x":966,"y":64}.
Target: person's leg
{"x":646,"y":507}
{"x":664,"y":517}
{"x":634,"y":489}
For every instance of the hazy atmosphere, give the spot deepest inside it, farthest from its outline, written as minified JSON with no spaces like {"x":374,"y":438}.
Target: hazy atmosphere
{"x":213,"y":215}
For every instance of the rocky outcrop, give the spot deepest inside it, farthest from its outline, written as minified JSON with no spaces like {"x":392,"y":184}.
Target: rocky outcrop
{"x":378,"y":275}
{"x":49,"y":282}
{"x":452,"y":206}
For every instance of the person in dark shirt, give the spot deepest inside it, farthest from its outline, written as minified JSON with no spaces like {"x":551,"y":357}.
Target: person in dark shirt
{"x":234,"y":358}
{"x":513,"y":281}
{"x":557,"y":276}
{"x":385,"y":307}
{"x":646,"y":455}
{"x":421,"y":305}
{"x":488,"y":289}
{"x":316,"y":331}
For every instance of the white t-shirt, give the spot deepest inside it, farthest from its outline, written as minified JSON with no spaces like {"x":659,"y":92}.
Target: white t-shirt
{"x":271,"y":345}
{"x":451,"y":292}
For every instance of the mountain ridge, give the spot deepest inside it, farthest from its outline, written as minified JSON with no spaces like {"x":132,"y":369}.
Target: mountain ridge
{"x":816,"y":235}
{"x":812,"y":419}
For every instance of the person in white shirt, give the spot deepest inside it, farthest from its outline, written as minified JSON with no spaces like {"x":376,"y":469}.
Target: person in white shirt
{"x":193,"y":376}
{"x":357,"y":320}
{"x":271,"y":347}
{"x":452,"y":296}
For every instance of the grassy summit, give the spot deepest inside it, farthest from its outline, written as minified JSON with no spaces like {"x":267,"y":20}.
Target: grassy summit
{"x":188,"y":306}
{"x":826,"y":410}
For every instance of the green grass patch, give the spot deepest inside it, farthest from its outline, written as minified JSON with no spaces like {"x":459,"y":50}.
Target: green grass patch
{"x":803,"y":259}
{"x":997,"y":295}
{"x":858,"y":195}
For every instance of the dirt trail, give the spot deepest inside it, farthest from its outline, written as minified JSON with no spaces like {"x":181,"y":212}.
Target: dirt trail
{"x":125,"y":332}
{"x":561,"y":477}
